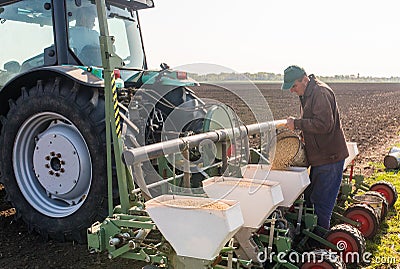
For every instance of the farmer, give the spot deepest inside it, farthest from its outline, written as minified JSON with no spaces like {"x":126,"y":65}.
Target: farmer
{"x":83,"y":38}
{"x":323,"y":136}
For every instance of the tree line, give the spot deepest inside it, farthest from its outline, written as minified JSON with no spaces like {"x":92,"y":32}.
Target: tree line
{"x":272,"y":77}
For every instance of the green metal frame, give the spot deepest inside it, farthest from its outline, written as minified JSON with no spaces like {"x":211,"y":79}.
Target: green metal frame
{"x":308,"y":228}
{"x":347,"y":192}
{"x":111,"y":61}
{"x":131,"y":216}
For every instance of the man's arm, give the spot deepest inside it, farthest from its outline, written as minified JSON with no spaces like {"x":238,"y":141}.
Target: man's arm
{"x":322,"y":120}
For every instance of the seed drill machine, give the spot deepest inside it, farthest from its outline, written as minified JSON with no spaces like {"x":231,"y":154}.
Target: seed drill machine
{"x":96,"y":147}
{"x":360,"y":204}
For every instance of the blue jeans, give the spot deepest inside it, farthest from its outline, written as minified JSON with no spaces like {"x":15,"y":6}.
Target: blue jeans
{"x":323,"y":190}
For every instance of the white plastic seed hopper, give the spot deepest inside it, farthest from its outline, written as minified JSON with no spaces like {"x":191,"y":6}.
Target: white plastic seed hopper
{"x":198,"y":232}
{"x":258,"y":199}
{"x":293,"y":180}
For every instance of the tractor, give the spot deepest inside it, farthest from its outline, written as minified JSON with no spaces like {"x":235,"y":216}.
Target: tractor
{"x":53,"y":124}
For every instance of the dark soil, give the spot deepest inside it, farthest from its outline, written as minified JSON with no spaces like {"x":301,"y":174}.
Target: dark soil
{"x":370,"y":112}
{"x":370,"y":116}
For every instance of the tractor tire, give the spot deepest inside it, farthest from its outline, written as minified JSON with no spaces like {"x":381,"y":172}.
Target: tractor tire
{"x":366,"y":216}
{"x":387,"y":189}
{"x":53,"y":158}
{"x":322,"y":259}
{"x":349,"y":241}
{"x":385,"y":205}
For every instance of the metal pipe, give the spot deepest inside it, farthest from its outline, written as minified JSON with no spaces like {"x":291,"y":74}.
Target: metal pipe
{"x":224,"y":156}
{"x":186,"y":170}
{"x":138,"y":175}
{"x":153,"y":151}
{"x":257,"y":128}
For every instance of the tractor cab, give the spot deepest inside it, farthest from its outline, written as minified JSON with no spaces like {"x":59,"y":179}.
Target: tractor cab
{"x":39,"y":33}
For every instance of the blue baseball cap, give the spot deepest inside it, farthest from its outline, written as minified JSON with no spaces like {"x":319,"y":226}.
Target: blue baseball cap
{"x":290,"y":75}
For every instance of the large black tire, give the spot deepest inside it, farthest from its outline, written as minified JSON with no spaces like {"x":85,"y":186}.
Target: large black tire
{"x":53,"y":158}
{"x":350,"y":242}
{"x":386,"y":189}
{"x":366,"y":216}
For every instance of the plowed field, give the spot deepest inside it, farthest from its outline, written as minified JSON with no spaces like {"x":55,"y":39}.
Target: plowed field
{"x":370,"y":116}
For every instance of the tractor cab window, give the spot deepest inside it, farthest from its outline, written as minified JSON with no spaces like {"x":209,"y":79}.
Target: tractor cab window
{"x":83,"y":33}
{"x":26,"y":30}
{"x":124,"y":26}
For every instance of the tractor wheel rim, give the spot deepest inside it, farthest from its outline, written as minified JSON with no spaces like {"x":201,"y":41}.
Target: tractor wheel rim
{"x":364,"y":221}
{"x":349,"y":246}
{"x":52,"y":164}
{"x":346,"y":244}
{"x":384,"y":192}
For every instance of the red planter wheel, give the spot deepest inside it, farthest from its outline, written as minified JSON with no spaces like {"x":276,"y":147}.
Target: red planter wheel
{"x":387,"y":189}
{"x":322,"y":259}
{"x":349,"y":240}
{"x":385,"y":205}
{"x":366,"y":216}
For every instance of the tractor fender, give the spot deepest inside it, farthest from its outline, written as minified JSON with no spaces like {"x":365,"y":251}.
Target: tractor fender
{"x":12,"y":89}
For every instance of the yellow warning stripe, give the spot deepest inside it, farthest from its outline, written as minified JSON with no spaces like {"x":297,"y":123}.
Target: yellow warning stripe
{"x":119,"y":130}
{"x":116,"y":108}
{"x":116,"y":114}
{"x":112,"y":78}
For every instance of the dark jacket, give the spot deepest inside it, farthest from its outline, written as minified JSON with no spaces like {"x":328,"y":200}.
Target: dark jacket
{"x":320,"y":125}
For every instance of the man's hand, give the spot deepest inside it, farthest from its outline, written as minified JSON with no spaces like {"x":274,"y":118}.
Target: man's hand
{"x":290,"y":123}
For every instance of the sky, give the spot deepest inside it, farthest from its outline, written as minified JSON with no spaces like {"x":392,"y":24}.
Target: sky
{"x":325,"y":37}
